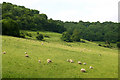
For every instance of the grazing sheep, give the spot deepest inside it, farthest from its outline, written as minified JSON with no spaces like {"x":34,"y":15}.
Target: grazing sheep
{"x":71,"y":61}
{"x":26,"y":55}
{"x":48,"y":61}
{"x":41,"y":43}
{"x":83,"y":70}
{"x":79,"y":62}
{"x":25,"y":52}
{"x":39,"y":61}
{"x":4,"y":52}
{"x":68,"y":60}
{"x":84,"y":63}
{"x":91,"y":67}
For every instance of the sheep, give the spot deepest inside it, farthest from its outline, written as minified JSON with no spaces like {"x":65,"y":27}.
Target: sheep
{"x":4,"y":52}
{"x":39,"y":61}
{"x":83,"y":70}
{"x":25,"y":52}
{"x":84,"y":63}
{"x":91,"y":67}
{"x":79,"y":62}
{"x":68,"y":60}
{"x":71,"y":61}
{"x":41,"y":43}
{"x":48,"y":61}
{"x":26,"y":55}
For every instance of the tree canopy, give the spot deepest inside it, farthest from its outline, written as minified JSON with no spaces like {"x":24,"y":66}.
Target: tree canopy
{"x":29,"y":19}
{"x":95,"y":31}
{"x":16,"y":18}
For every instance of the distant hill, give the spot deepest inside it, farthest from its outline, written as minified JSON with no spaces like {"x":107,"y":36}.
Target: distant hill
{"x":15,"y":18}
{"x":28,"y":19}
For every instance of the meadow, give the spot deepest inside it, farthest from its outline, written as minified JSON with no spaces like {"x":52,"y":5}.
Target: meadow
{"x":16,"y":65}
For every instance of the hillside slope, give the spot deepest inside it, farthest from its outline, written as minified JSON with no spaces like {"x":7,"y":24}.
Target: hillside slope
{"x":16,"y":65}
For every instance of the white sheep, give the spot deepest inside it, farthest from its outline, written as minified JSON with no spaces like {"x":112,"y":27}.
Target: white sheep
{"x":39,"y":61}
{"x":84,"y":63}
{"x":91,"y":67}
{"x":4,"y":52}
{"x":71,"y":61}
{"x":26,"y":55}
{"x":79,"y":62}
{"x":68,"y":60}
{"x":83,"y":70}
{"x":41,"y":43}
{"x":48,"y":61}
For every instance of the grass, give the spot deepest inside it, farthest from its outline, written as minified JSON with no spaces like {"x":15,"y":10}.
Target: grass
{"x":16,"y":65}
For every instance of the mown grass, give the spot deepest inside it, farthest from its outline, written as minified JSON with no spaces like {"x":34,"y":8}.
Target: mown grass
{"x":16,"y":65}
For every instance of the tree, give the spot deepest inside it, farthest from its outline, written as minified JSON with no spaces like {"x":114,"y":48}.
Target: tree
{"x":118,"y":44}
{"x":76,"y":35}
{"x":66,"y":37}
{"x":10,"y":27}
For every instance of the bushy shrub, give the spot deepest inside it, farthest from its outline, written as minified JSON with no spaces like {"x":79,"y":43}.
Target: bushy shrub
{"x":107,"y":46}
{"x":47,"y":36}
{"x":99,"y":45}
{"x":104,"y":45}
{"x":37,"y":33}
{"x":66,"y":37}
{"x":82,"y":41}
{"x":118,"y":44}
{"x":22,"y":35}
{"x":75,"y":38}
{"x":107,"y":42}
{"x":10,"y":27}
{"x":40,"y":37}
{"x":76,"y":35}
{"x":29,"y":34}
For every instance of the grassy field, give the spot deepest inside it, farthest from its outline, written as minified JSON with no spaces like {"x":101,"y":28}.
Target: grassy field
{"x":16,"y":65}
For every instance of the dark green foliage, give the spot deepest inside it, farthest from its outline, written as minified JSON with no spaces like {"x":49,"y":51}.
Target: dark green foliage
{"x":107,"y":46}
{"x":47,"y":36}
{"x":37,"y":33}
{"x":29,"y":19}
{"x":10,"y":27}
{"x":22,"y":35}
{"x":55,"y":26}
{"x":107,"y":42}
{"x":95,"y":31}
{"x":29,"y":34}
{"x":40,"y":37}
{"x":76,"y":35}
{"x":69,"y":37}
{"x":99,"y":45}
{"x":118,"y":44}
{"x":66,"y":37}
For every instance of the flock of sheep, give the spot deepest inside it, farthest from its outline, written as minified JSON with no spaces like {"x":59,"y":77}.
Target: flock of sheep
{"x":82,"y":70}
{"x":68,"y":60}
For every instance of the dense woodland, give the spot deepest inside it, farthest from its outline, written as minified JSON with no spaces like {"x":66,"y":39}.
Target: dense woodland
{"x":27,"y":19}
{"x":16,"y":18}
{"x":94,"y":31}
